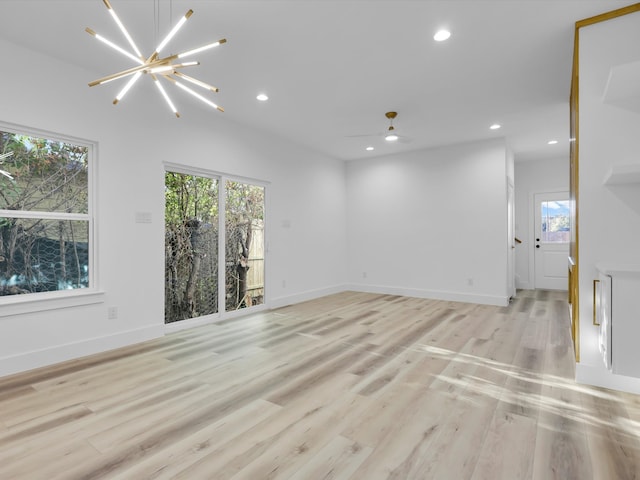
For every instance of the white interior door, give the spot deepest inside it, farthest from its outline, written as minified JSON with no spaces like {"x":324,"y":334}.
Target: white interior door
{"x":551,"y":242}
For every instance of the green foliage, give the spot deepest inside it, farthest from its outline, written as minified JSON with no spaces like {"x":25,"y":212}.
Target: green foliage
{"x":244,"y":202}
{"x":48,"y":175}
{"x":559,"y":223}
{"x":190,"y":197}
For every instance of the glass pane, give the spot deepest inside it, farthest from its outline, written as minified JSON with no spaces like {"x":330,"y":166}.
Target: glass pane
{"x":555,"y":221}
{"x":191,"y":246}
{"x":244,"y":273}
{"x":38,"y":174}
{"x":39,"y":255}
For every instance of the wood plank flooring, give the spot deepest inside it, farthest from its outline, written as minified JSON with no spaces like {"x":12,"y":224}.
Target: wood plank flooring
{"x":349,"y":386}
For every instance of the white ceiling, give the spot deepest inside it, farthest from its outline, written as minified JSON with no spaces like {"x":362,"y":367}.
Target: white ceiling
{"x":332,"y":68}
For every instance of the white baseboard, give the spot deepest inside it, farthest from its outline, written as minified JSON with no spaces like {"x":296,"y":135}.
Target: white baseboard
{"x":208,"y":319}
{"x":305,"y":296}
{"x":601,"y":377}
{"x":70,"y":351}
{"x":500,"y":301}
{"x":523,"y":285}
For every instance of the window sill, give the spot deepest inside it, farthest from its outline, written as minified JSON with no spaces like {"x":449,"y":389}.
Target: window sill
{"x":20,"y":304}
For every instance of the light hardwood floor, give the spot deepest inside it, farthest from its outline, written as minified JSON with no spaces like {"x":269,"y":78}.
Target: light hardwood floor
{"x":350,"y":386}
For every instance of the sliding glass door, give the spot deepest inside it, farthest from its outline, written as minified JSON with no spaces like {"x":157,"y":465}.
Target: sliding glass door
{"x":191,"y":246}
{"x":244,"y":252}
{"x":214,"y":245}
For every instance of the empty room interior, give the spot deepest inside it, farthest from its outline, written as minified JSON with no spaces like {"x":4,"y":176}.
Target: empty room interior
{"x":312,"y":239}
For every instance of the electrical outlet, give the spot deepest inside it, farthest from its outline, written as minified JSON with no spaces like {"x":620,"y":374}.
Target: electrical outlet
{"x":112,"y":313}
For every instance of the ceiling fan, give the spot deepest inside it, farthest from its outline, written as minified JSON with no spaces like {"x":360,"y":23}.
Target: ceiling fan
{"x":390,"y":134}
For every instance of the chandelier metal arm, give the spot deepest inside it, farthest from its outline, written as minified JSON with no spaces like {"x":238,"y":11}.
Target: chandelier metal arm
{"x":116,"y":47}
{"x":195,"y":81}
{"x":194,"y":93}
{"x":122,"y":28}
{"x":165,"y":95}
{"x":127,"y":87}
{"x":171,"y":67}
{"x":202,"y":49}
{"x":171,"y":34}
{"x":140,"y":68}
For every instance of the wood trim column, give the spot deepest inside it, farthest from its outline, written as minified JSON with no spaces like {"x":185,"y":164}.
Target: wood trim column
{"x":574,"y":185}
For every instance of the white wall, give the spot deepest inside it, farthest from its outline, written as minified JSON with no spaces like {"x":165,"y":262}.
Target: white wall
{"x":536,"y":176}
{"x":420,"y":224}
{"x":609,"y":216}
{"x":509,"y":240}
{"x":426,"y":223}
{"x":307,"y":191}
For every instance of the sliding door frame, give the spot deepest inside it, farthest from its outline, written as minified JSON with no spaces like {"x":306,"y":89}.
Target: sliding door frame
{"x":222,"y":178}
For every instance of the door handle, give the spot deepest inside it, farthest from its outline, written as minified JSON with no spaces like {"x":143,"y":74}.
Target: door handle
{"x":595,"y":313}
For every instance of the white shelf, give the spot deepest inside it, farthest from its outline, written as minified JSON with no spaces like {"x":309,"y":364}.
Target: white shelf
{"x":618,"y":268}
{"x":623,"y":175}
{"x":623,"y":86}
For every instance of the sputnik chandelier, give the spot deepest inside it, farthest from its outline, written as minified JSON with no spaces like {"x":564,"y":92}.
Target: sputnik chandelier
{"x":156,"y":67}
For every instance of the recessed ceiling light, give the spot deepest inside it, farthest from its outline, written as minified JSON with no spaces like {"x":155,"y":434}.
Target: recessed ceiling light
{"x":495,"y":126}
{"x":442,"y":35}
{"x":262,"y":97}
{"x":369,"y":149}
{"x":392,"y":137}
{"x":552,"y":142}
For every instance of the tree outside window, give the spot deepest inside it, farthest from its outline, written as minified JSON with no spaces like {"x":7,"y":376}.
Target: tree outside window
{"x":45,"y":222}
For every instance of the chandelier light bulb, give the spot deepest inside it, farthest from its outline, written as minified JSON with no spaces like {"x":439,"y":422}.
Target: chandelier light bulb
{"x":202,"y":49}
{"x":165,"y":96}
{"x":173,"y":31}
{"x":122,"y":28}
{"x":127,"y":87}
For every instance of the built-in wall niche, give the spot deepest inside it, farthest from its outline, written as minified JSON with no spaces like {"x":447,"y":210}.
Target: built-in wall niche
{"x":623,"y":86}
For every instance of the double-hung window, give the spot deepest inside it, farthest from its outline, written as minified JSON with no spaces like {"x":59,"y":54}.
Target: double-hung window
{"x":46,"y":220}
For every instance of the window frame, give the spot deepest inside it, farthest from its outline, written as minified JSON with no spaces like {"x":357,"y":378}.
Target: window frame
{"x":41,"y":301}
